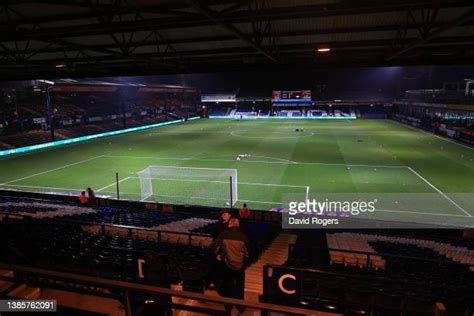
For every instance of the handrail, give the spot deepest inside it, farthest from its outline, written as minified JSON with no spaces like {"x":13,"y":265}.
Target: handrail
{"x":130,"y":286}
{"x":329,"y":274}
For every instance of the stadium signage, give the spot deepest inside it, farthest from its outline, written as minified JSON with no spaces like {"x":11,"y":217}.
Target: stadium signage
{"x":218,"y":98}
{"x":252,"y":117}
{"x":282,"y":284}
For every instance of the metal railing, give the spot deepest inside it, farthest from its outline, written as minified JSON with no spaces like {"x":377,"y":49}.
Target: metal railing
{"x":128,"y":288}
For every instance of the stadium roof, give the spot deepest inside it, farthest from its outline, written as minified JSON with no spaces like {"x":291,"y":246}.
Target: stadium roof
{"x":61,"y":38}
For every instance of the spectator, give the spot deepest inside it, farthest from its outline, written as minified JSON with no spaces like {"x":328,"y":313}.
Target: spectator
{"x":231,"y":248}
{"x":222,"y":225}
{"x":91,"y":196}
{"x":217,"y":266}
{"x":83,"y":198}
{"x":244,"y":212}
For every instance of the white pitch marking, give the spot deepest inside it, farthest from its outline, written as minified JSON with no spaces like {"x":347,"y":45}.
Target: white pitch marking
{"x":423,"y":213}
{"x":55,"y":169}
{"x":278,"y":159}
{"x":215,"y":181}
{"x":40,"y":187}
{"x":233,"y":133}
{"x":262,"y":202}
{"x":439,"y":191}
{"x":181,"y":167}
{"x":434,"y":135}
{"x":267,"y":162}
{"x":110,"y":185}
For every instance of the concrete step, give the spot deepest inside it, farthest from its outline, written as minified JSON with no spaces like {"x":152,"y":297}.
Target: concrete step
{"x":4,"y":284}
{"x":90,"y":303}
{"x":26,"y":292}
{"x":276,"y":253}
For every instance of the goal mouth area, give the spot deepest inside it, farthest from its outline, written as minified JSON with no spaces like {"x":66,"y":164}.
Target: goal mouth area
{"x":189,"y":184}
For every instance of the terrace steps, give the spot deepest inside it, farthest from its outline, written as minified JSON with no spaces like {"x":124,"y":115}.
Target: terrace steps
{"x":83,"y":302}
{"x":4,"y":285}
{"x":26,"y":292}
{"x":22,"y":291}
{"x":276,"y":253}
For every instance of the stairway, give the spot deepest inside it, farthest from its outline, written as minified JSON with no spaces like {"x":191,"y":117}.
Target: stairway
{"x":276,"y":253}
{"x":19,"y":290}
{"x":4,"y":285}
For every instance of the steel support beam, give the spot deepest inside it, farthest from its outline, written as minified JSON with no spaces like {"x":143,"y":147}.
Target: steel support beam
{"x":211,"y":15}
{"x":469,"y":15}
{"x":243,"y":16}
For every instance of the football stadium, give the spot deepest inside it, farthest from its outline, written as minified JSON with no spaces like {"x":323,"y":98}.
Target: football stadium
{"x":237,"y":158}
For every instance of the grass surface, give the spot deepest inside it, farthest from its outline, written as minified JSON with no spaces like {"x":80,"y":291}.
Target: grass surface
{"x":361,"y":156}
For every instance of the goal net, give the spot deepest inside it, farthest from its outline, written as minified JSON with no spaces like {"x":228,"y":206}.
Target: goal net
{"x":187,"y":185}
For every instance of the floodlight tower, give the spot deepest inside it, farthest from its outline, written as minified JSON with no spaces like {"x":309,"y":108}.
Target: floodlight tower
{"x":49,"y":105}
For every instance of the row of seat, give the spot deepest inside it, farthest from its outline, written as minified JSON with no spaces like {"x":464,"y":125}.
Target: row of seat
{"x":137,"y":218}
{"x":65,"y":247}
{"x":461,"y":254}
{"x":145,"y":225}
{"x":410,"y":282}
{"x":341,"y":241}
{"x":43,"y":210}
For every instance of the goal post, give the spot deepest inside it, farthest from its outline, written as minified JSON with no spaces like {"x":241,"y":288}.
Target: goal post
{"x":189,"y":185}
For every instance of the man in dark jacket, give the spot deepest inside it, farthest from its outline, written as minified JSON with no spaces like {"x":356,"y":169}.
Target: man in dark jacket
{"x":231,"y":248}
{"x":223,"y":223}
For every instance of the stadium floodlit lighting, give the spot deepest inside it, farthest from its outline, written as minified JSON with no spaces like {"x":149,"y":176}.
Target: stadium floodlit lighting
{"x":324,"y":50}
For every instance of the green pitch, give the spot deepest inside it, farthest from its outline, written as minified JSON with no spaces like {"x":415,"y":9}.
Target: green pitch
{"x":359,"y":156}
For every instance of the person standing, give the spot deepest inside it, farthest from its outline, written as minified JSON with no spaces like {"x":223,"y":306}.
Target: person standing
{"x":223,"y":223}
{"x":91,"y":196}
{"x":83,"y":198}
{"x":231,"y":248}
{"x":214,"y":278}
{"x":244,"y":212}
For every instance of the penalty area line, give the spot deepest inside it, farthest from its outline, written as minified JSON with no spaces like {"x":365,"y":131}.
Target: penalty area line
{"x":54,"y":169}
{"x":439,"y":191}
{"x":225,"y":182}
{"x":112,"y":184}
{"x":265,"y":162}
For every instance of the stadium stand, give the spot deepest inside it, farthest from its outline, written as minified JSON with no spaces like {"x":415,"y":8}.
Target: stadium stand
{"x":384,"y":273}
{"x":66,"y":247}
{"x":441,"y":111}
{"x":28,"y":138}
{"x":380,"y":272}
{"x":87,"y":107}
{"x":176,"y":228}
{"x":318,"y":113}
